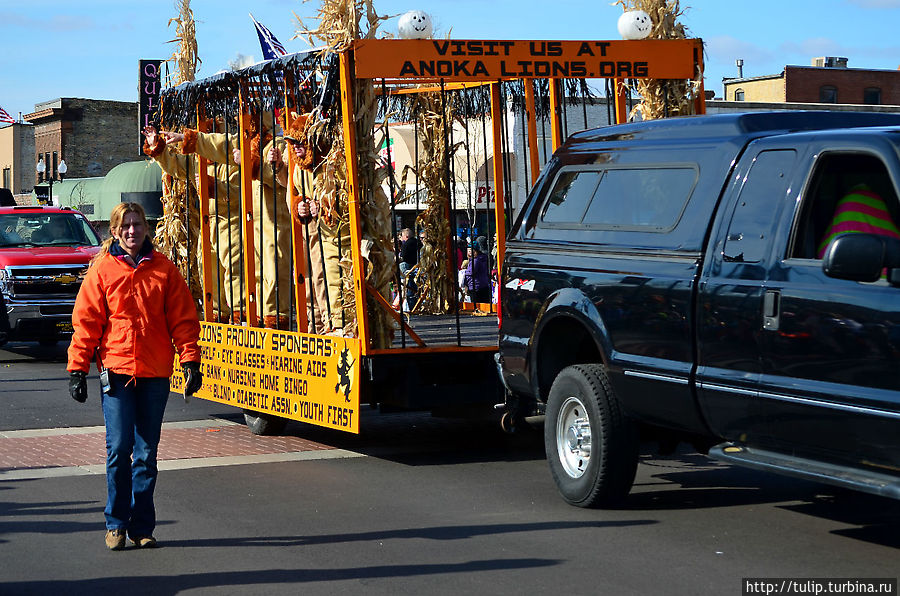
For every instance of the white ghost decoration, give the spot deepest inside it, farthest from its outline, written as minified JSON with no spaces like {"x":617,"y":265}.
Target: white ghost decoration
{"x":415,"y":24}
{"x":634,"y":24}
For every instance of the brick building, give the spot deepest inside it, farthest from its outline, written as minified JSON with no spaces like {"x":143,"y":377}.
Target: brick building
{"x":92,"y":136}
{"x":16,"y":158}
{"x":828,"y":80}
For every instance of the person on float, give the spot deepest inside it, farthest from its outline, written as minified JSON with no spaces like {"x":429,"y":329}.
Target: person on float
{"x":334,"y":235}
{"x":224,"y":176}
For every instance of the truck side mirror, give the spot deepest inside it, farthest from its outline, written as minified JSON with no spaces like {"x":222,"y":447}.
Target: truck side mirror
{"x":861,"y":257}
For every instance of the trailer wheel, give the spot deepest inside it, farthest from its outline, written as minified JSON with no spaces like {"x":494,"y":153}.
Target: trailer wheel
{"x":264,"y":424}
{"x":591,"y":446}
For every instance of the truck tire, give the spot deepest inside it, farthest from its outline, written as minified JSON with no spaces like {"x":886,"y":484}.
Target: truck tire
{"x":260,"y":423}
{"x":591,"y":446}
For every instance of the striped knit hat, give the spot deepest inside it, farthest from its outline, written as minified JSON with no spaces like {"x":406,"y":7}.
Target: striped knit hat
{"x":860,"y":210}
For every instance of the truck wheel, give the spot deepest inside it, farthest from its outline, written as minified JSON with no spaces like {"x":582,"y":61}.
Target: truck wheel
{"x":591,"y":446}
{"x":264,"y":424}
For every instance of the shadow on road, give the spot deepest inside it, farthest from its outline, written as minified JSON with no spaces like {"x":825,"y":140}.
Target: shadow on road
{"x":163,"y":585}
{"x":434,"y":533}
{"x":419,"y":439}
{"x":29,"y":351}
{"x":693,"y":481}
{"x":877,"y":518}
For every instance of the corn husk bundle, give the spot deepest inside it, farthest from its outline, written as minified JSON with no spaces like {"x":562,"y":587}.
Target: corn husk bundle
{"x":663,"y":98}
{"x":340,"y":23}
{"x":437,"y":289}
{"x":331,"y":189}
{"x":185,"y":57}
{"x":179,"y":227}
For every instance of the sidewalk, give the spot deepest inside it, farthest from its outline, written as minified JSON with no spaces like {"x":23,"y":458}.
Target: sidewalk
{"x":200,"y":443}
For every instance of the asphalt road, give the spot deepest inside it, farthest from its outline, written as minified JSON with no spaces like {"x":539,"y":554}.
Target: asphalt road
{"x":430,"y":507}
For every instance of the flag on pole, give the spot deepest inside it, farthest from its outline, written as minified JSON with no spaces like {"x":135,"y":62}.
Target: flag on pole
{"x":271,"y":47}
{"x":5,"y":117}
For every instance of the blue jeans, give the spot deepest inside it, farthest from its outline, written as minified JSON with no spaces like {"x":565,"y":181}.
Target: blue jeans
{"x":133,"y":410}
{"x":411,"y":290}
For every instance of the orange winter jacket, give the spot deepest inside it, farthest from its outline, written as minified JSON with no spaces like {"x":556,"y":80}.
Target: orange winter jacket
{"x":133,"y":316}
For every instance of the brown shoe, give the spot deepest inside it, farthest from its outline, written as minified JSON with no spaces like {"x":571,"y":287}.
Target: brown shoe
{"x":273,"y":322}
{"x":115,"y":539}
{"x":144,"y":541}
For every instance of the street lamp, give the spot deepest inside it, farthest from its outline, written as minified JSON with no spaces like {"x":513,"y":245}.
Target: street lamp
{"x":62,"y":168}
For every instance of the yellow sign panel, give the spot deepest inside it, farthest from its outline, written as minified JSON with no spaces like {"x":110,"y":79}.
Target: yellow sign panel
{"x":310,"y":378}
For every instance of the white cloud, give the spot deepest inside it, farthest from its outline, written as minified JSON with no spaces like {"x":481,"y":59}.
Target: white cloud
{"x":722,"y":51}
{"x":725,"y":48}
{"x":815,"y":46}
{"x":868,"y":56}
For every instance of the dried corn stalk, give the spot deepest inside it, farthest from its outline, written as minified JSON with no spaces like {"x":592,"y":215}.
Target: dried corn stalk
{"x":663,"y":98}
{"x":185,"y":57}
{"x":174,"y":231}
{"x":438,"y":289}
{"x":331,"y":188}
{"x":339,"y":25}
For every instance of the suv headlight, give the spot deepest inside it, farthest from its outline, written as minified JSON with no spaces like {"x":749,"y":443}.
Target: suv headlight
{"x":4,"y":282}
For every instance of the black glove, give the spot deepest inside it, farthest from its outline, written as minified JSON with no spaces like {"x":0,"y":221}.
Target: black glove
{"x":193,"y":378}
{"x":78,"y":386}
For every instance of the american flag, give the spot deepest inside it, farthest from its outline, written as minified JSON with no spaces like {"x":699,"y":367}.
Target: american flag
{"x":271,"y":47}
{"x":5,"y":117}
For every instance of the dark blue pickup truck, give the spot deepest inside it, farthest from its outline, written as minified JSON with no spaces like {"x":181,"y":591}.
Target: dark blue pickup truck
{"x":682,"y":275}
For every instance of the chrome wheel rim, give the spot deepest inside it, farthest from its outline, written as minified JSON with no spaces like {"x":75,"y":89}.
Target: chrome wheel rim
{"x":573,"y":437}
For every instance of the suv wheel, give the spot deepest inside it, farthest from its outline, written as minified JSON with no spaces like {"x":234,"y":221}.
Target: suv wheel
{"x":591,"y":445}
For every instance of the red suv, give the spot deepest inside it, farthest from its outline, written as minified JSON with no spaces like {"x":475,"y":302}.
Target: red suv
{"x":44,"y":253}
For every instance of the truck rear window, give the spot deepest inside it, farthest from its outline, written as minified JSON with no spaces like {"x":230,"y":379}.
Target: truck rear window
{"x":639,"y":198}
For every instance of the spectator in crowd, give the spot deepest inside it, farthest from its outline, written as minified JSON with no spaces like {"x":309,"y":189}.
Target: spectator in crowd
{"x":409,"y":258}
{"x":477,"y":280}
{"x":409,"y":250}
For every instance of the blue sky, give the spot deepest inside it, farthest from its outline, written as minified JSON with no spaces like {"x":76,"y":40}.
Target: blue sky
{"x":90,"y":48}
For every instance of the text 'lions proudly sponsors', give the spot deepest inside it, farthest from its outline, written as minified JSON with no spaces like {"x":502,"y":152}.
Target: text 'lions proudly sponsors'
{"x":477,"y":60}
{"x":294,"y":375}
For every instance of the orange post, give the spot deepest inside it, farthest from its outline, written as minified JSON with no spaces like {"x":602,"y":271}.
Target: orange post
{"x":250,"y":298}
{"x":555,"y":115}
{"x":700,"y":98}
{"x":205,"y":245}
{"x":531,"y":114}
{"x":621,"y":101}
{"x":499,"y":203}
{"x":348,"y":118}
{"x":301,"y":262}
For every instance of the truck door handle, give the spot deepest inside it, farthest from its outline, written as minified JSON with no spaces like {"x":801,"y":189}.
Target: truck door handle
{"x":771,"y":310}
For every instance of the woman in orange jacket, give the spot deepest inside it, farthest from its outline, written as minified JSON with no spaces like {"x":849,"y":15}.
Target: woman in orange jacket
{"x":133,"y":310}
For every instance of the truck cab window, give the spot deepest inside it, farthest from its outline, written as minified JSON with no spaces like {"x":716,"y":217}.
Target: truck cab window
{"x":765,"y":187}
{"x":570,"y":196}
{"x":847,"y":193}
